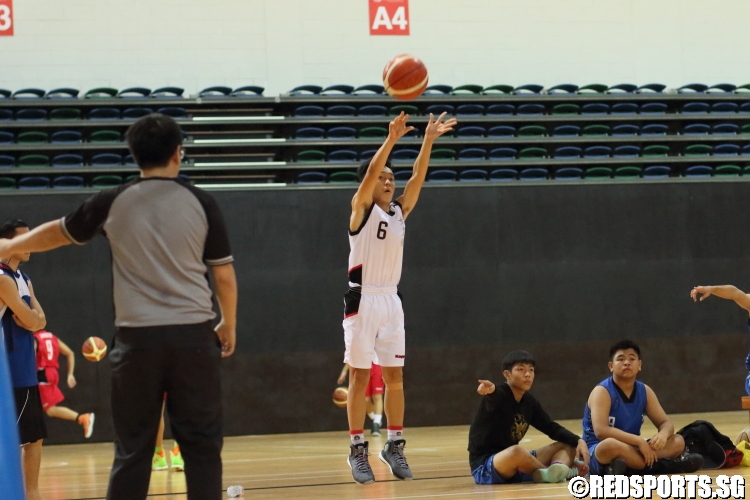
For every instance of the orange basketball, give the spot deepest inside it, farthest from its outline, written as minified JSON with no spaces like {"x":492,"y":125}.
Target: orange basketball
{"x":405,"y":77}
{"x":340,"y":395}
{"x":94,"y":349}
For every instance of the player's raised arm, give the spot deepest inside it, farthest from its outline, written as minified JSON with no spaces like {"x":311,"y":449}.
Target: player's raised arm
{"x":363,"y":197}
{"x":730,"y":292}
{"x":434,"y":129}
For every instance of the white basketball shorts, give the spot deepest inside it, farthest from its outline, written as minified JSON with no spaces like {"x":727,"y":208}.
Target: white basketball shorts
{"x":374,"y":330}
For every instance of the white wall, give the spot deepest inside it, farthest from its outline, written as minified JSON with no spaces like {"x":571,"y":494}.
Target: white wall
{"x":282,"y":43}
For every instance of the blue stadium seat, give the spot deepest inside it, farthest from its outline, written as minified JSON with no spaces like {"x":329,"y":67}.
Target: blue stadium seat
{"x":566,"y":130}
{"x":529,"y":88}
{"x":215,"y":91}
{"x":695,"y":107}
{"x":472,"y":174}
{"x":503,"y":174}
{"x":28,"y":93}
{"x":129,"y":161}
{"x":597,"y":152}
{"x":746,"y":150}
{"x":724,"y":107}
{"x":656,"y":172}
{"x":7,"y":161}
{"x":625,"y":129}
{"x":438,"y":89}
{"x":437,"y":109}
{"x":443,"y":175}
{"x":726,"y":150}
{"x":653,"y":108}
{"x":33,"y":182}
{"x":373,"y":110}
{"x":311,"y":178}
{"x":501,"y":131}
{"x":472,"y":154}
{"x":343,"y":155}
{"x":106,"y":160}
{"x":725,"y":128}
{"x":67,"y":160}
{"x":470,"y":110}
{"x":722,"y":88}
{"x":5,"y":94}
{"x":699,"y":171}
{"x":66,"y":136}
{"x":309,"y":133}
{"x":626,"y":151}
{"x":104,"y":114}
{"x":369,"y":89}
{"x":31,"y":114}
{"x":624,"y":108}
{"x":6,"y":114}
{"x":568,"y":173}
{"x":652,"y":87}
{"x":248,"y":91}
{"x":745,"y":108}
{"x":471,"y":131}
{"x":563,"y":88}
{"x":367,"y":155}
{"x":135,"y":113}
{"x":67,"y":182}
{"x":696,"y":129}
{"x":308,"y":110}
{"x":626,"y":88}
{"x":595,"y":108}
{"x":530,"y":109}
{"x":6,"y":137}
{"x":62,"y":93}
{"x":341,"y":133}
{"x":533,"y":174}
{"x":167,"y":93}
{"x":404,"y":155}
{"x":654,"y":129}
{"x":502,"y":154}
{"x":337,"y":89}
{"x":500,"y":109}
{"x":134,"y":93}
{"x":567,"y":152}
{"x":693,"y":88}
{"x":174,"y":112}
{"x":402,"y":175}
{"x":341,"y":110}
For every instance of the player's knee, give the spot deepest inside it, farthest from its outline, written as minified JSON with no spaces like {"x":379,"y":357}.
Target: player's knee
{"x":676,"y":443}
{"x":393,"y":377}
{"x":359,"y":377}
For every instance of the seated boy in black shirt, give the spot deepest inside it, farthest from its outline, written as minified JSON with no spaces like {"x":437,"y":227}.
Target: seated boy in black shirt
{"x":500,"y":424}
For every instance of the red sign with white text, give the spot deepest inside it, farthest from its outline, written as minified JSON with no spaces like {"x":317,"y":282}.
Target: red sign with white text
{"x":6,"y":17}
{"x":388,"y":17}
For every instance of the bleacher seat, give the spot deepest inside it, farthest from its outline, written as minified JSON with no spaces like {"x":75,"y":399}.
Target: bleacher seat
{"x":6,"y":114}
{"x":33,"y":160}
{"x":248,"y":91}
{"x":595,"y":108}
{"x":656,"y":88}
{"x":341,"y":110}
{"x":367,"y":155}
{"x":724,"y":107}
{"x":654,"y":129}
{"x":503,"y":174}
{"x":469,"y":88}
{"x":404,"y":155}
{"x":532,"y":131}
{"x":565,"y":108}
{"x":727,"y":171}
{"x":625,"y":129}
{"x":101,"y":93}
{"x":653,"y":108}
{"x":696,"y":129}
{"x":402,"y":175}
{"x":104,"y":114}
{"x":745,"y":108}
{"x":471,"y":131}
{"x":309,"y":110}
{"x":437,"y":109}
{"x":373,"y":110}
{"x":67,"y":160}
{"x":568,"y":173}
{"x":625,"y":108}
{"x":62,"y":93}
{"x":624,"y":88}
{"x":533,"y":174}
{"x":106,"y":181}
{"x":343,"y":155}
{"x":627,"y":171}
{"x":472,"y":154}
{"x":626,"y":151}
{"x":699,"y":171}
{"x":470,"y":110}
{"x":598,"y":173}
{"x":501,"y":131}
{"x":31,"y":114}
{"x":529,"y":88}
{"x":373,"y":133}
{"x":135,"y":113}
{"x":6,"y":137}
{"x":106,"y":160}
{"x":175,"y":112}
{"x":563,"y":88}
{"x":443,"y":154}
{"x":32,"y":137}
{"x":311,"y":178}
{"x":472,"y":174}
{"x":693,"y":88}
{"x":33,"y":182}
{"x":500,"y":109}
{"x":726,"y":150}
{"x":593,"y":88}
{"x":722,"y":88}
{"x":725,"y":128}
{"x":167,"y":93}
{"x":134,"y":93}
{"x":656,"y":172}
{"x":438,"y":89}
{"x":67,"y":182}
{"x":597,"y":152}
{"x":105,"y":136}
{"x":65,"y":114}
{"x":369,"y":89}
{"x":312,"y":155}
{"x":309,"y":133}
{"x":746,"y":150}
{"x":215,"y":91}
{"x":306,"y":90}
{"x":566,"y":130}
{"x":502,"y":154}
{"x":695,"y":107}
{"x":343,"y":176}
{"x":341,"y":133}
{"x":566,"y":152}
{"x":28,"y":93}
{"x":7,"y":161}
{"x":443,"y":175}
{"x":530,"y":109}
{"x":595,"y":129}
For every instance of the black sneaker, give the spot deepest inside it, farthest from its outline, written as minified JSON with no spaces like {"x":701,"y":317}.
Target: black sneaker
{"x":393,"y":456}
{"x":616,"y":467}
{"x":684,"y":464}
{"x":375,"y":431}
{"x":359,"y":463}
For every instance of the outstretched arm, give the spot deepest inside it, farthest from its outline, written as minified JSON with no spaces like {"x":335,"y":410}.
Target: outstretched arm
{"x":48,"y":236}
{"x":435,"y":128}
{"x":731,"y":292}
{"x":71,"y":357}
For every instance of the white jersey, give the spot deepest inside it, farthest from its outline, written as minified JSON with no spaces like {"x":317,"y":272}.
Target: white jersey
{"x":377,"y":250}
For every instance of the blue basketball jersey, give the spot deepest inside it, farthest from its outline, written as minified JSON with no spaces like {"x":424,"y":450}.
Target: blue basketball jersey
{"x":19,"y":342}
{"x":623,"y":415}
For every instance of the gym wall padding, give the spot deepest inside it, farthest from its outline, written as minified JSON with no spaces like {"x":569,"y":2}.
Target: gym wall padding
{"x":562,"y":270}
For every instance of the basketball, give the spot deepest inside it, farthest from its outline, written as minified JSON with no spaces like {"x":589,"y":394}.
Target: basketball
{"x":742,"y":436}
{"x":94,"y":349}
{"x":405,"y":77}
{"x":340,"y":395}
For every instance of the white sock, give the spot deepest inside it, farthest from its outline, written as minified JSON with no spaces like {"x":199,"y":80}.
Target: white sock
{"x":378,"y":419}
{"x":357,"y":437}
{"x":371,"y":415}
{"x":395,"y":433}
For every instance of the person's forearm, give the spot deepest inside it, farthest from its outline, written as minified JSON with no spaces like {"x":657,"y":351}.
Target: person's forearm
{"x":226,"y":295}
{"x":48,"y":236}
{"x":666,"y":429}
{"x":71,"y":363}
{"x":611,"y":432}
{"x":422,"y":162}
{"x":730,"y":292}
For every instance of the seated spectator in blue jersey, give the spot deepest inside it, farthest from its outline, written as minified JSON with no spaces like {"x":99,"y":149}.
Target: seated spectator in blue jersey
{"x":504,"y":416}
{"x":612,"y":423}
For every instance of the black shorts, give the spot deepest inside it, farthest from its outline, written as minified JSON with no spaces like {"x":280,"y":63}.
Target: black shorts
{"x":29,"y":414}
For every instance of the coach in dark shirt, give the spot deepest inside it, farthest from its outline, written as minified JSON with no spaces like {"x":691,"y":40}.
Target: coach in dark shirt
{"x":165,"y":235}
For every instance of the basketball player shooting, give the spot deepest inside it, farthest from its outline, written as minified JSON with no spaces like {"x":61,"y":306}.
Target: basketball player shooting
{"x":373,"y":312}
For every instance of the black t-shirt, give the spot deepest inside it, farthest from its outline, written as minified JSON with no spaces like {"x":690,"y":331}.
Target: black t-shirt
{"x":502,"y":422}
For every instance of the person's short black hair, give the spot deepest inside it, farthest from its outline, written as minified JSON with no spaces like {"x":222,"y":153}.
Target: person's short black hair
{"x":8,"y":228}
{"x":362,"y":170}
{"x":153,"y":139}
{"x":621,"y":346}
{"x":517,"y":357}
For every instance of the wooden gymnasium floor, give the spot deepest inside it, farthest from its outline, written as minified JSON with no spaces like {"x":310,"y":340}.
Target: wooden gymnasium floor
{"x":313,"y":466}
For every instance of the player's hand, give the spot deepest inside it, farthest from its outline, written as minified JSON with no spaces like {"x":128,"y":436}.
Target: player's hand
{"x":657,"y":442}
{"x":71,"y":381}
{"x":397,"y":128}
{"x":700,"y":293}
{"x":649,"y":455}
{"x":341,"y":379}
{"x":582,"y":452}
{"x":227,"y":337}
{"x":485,"y":387}
{"x":436,"y":128}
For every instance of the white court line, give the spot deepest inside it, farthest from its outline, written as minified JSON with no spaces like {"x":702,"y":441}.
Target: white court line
{"x":234,"y":118}
{"x":336,"y":473}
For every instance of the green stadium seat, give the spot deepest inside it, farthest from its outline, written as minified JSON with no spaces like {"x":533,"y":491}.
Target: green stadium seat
{"x":531,"y":131}
{"x":656,"y":150}
{"x":105,"y":181}
{"x":698,"y":150}
{"x":311,"y":155}
{"x":344,"y":176}
{"x":467,"y":89}
{"x":598,"y":173}
{"x":406,"y":108}
{"x":595,"y":130}
{"x":727,"y":171}
{"x":7,"y":183}
{"x":629,"y":171}
{"x":105,"y":136}
{"x":443,"y":154}
{"x":101,"y":93}
{"x":27,"y":161}
{"x":498,"y":89}
{"x":65,"y":114}
{"x":373,"y":132}
{"x":566,"y":109}
{"x":32,"y":137}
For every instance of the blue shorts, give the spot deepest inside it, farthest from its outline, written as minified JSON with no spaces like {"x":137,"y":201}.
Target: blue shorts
{"x":595,"y":468}
{"x":486,"y":474}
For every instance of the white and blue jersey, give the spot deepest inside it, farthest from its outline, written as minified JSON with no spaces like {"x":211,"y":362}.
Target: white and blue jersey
{"x":19,"y":342}
{"x":625,"y":414}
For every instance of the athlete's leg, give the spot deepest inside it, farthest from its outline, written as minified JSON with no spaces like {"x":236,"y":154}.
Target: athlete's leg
{"x":32,"y":461}
{"x":377,"y":404}
{"x":556,"y":453}
{"x":62,"y":413}
{"x":611,"y":448}
{"x":160,"y":433}
{"x":674,"y":447}
{"x":356,"y":404}
{"x":393,"y":376}
{"x":515,"y":459}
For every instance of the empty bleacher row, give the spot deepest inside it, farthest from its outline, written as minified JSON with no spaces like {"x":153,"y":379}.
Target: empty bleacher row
{"x":60,"y":139}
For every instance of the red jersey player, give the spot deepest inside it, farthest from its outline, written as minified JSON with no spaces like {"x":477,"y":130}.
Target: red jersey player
{"x":48,"y":349}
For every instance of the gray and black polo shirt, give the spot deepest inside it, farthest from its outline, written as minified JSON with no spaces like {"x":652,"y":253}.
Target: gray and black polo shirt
{"x":163,"y":233}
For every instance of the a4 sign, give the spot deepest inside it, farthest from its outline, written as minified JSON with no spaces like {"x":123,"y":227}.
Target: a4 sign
{"x":389,"y":17}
